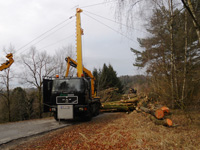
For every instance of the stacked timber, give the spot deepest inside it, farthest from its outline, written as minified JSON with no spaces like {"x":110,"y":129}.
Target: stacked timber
{"x":122,"y":105}
{"x":159,"y":114}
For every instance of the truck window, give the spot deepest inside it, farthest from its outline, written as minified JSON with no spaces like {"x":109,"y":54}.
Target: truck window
{"x":67,"y":85}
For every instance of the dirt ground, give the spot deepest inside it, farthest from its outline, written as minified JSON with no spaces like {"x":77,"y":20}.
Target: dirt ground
{"x":120,"y":131}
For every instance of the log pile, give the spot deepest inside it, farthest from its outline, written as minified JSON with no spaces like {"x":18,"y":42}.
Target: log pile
{"x":159,"y":114}
{"x":122,"y":105}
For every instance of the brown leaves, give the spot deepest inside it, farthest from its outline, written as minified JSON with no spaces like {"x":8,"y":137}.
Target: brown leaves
{"x":115,"y":131}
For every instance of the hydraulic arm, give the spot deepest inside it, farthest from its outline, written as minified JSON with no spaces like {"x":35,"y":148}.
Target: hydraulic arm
{"x":73,"y":63}
{"x":8,"y":62}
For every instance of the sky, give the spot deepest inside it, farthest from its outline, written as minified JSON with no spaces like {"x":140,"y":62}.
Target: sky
{"x":22,"y":21}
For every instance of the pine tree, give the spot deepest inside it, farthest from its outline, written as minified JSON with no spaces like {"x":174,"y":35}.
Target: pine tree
{"x":157,"y":53}
{"x":106,"y":78}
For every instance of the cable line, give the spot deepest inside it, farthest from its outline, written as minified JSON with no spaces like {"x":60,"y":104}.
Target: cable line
{"x":111,"y":28}
{"x":47,"y":36}
{"x":44,"y":33}
{"x":116,"y":22}
{"x":56,"y":42}
{"x":98,"y":4}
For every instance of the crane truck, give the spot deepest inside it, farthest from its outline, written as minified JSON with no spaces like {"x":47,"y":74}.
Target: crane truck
{"x":71,"y":97}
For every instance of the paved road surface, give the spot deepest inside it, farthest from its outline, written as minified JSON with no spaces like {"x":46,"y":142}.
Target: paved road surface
{"x":12,"y":131}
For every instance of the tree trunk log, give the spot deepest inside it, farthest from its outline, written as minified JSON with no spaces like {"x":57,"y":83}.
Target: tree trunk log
{"x":164,"y":122}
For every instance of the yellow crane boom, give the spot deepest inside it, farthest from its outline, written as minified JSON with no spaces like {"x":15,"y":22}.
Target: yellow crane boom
{"x":79,"y":32}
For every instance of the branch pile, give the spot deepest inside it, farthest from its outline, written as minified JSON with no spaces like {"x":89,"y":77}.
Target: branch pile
{"x":159,"y":114}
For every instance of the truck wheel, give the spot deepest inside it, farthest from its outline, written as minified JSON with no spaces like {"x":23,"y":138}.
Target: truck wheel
{"x":88,"y":117}
{"x":55,"y":116}
{"x":97,"y":110}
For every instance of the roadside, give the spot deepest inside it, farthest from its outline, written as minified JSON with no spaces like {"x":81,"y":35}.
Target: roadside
{"x":16,"y":130}
{"x":118,"y":131}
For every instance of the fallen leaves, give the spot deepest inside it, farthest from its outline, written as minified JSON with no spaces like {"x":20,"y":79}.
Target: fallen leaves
{"x":116,"y":131}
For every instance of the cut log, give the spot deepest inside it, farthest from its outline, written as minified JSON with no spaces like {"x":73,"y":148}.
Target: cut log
{"x":164,"y":122}
{"x":127,"y":96}
{"x":159,"y":114}
{"x":144,"y":109}
{"x":165,"y":109}
{"x":119,"y":108}
{"x":117,"y":104}
{"x":168,"y":122}
{"x":108,"y":110}
{"x":132,"y":100}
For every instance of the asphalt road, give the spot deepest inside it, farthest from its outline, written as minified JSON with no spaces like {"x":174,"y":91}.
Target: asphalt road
{"x":12,"y":131}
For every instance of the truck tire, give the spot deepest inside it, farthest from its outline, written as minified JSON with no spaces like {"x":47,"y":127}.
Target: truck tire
{"x":88,"y":117}
{"x":97,"y":109}
{"x":55,"y":116}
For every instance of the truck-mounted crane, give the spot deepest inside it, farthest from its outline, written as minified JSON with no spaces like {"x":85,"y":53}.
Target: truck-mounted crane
{"x":71,"y":97}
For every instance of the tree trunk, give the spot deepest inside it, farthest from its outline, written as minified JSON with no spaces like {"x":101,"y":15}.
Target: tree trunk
{"x":158,"y":113}
{"x":40,"y":101}
{"x":185,"y":62}
{"x":195,"y":21}
{"x":116,"y":107}
{"x":190,"y":9}
{"x":172,"y":51}
{"x":146,"y":110}
{"x":8,"y":94}
{"x":164,"y":122}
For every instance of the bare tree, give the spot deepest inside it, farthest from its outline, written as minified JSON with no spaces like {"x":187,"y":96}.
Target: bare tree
{"x":5,"y":78}
{"x":5,"y":91}
{"x":126,"y":8}
{"x":185,"y":61}
{"x":60,"y":55}
{"x":36,"y":65}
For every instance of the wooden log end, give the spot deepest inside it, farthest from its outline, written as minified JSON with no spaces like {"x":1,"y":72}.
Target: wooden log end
{"x":165,"y":109}
{"x":169,"y":122}
{"x":159,"y":114}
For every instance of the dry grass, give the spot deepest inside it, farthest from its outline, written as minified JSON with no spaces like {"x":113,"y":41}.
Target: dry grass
{"x":121,"y":131}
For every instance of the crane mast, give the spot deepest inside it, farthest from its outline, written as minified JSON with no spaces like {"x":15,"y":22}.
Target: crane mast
{"x":79,"y":32}
{"x":81,"y":71}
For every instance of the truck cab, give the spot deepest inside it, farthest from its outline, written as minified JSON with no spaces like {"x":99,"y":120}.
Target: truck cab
{"x":69,"y":98}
